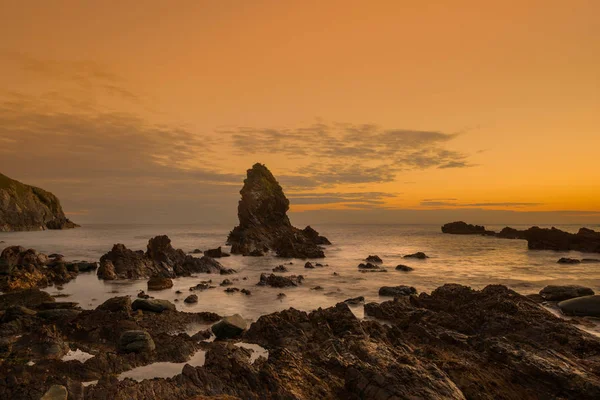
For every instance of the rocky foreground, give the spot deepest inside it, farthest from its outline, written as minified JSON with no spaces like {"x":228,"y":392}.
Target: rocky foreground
{"x":28,"y":208}
{"x":264,"y":224}
{"x":585,"y":240}
{"x":455,"y":343}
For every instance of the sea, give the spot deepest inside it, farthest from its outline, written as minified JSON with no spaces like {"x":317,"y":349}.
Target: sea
{"x":475,"y":261}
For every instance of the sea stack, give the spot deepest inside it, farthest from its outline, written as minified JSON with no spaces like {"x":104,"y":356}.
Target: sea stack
{"x":264,"y":224}
{"x":28,"y":208}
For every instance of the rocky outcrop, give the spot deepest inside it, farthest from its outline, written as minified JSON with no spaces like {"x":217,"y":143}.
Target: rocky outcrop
{"x":230,"y":327}
{"x":280,"y":281}
{"x":159,"y":283}
{"x":264,"y":224}
{"x":511,"y":233}
{"x":374,"y":259}
{"x":136,"y":342}
{"x":396,"y":291}
{"x":418,"y":255}
{"x":22,"y":268}
{"x":28,"y":208}
{"x":152,"y":305}
{"x":455,"y":343}
{"x":586,"y":306}
{"x":560,"y":293}
{"x":216,"y":253}
{"x":462,"y":228}
{"x":160,"y":260}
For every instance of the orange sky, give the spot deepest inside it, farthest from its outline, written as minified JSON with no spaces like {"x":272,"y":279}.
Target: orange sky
{"x":352,"y":104}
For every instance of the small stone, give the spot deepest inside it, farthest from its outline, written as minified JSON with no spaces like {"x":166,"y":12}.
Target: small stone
{"x":191,"y":299}
{"x":230,"y":327}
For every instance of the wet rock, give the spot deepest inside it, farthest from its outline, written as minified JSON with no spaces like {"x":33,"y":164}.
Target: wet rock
{"x":59,"y":314}
{"x":56,"y":392}
{"x":216,"y":253}
{"x":58,"y":305}
{"x":511,"y":233}
{"x":586,"y":306}
{"x":590,"y":260}
{"x":462,"y":228}
{"x":230,"y":327}
{"x":309,"y":265}
{"x":264,"y":224}
{"x":368,"y":266}
{"x":136,"y":342}
{"x":246,"y":292}
{"x":152,"y":305}
{"x":419,"y":255}
{"x":226,"y":282}
{"x":397,"y":291}
{"x":30,"y":298}
{"x":374,"y":259}
{"x":404,"y":268}
{"x":559,"y":293}
{"x":232,"y":290}
{"x":123,"y":263}
{"x":586,"y":240}
{"x":143,"y":295}
{"x":317,"y":288}
{"x":280,"y":281}
{"x":565,"y":260}
{"x":355,"y":300}
{"x":159,"y":283}
{"x":116,"y":304}
{"x":196,"y":251}
{"x":191,"y":299}
{"x":280,"y":268}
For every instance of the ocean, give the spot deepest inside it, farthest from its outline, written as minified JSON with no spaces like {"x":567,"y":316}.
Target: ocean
{"x":475,"y":261}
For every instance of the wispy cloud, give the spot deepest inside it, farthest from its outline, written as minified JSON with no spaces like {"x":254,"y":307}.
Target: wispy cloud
{"x":454,"y":203}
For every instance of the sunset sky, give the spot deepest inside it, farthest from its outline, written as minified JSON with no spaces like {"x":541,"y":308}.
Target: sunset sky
{"x":366,"y":111}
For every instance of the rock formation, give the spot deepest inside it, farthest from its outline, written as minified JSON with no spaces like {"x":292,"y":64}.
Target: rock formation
{"x":160,"y":260}
{"x":28,"y":208}
{"x":264,"y":224}
{"x":462,"y":228}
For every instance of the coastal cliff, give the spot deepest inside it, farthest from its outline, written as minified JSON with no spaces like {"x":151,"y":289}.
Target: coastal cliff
{"x":29,"y":208}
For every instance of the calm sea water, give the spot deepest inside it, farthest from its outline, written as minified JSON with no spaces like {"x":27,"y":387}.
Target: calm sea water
{"x":470,"y":260}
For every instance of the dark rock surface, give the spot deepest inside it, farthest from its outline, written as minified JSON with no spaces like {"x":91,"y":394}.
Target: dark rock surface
{"x":28,"y":208}
{"x":405,"y":268}
{"x":159,"y":283}
{"x":559,"y":293}
{"x":264,"y":224}
{"x":280,"y":268}
{"x":396,"y":291}
{"x":280,"y":281}
{"x":586,"y":306}
{"x":153,"y":305}
{"x":191,"y":299}
{"x":511,"y":233}
{"x":374,"y":259}
{"x":462,"y":228}
{"x":419,"y":255}
{"x":136,"y":342}
{"x":230,"y":327}
{"x":565,"y":260}
{"x":161,"y":260}
{"x":216,"y":253}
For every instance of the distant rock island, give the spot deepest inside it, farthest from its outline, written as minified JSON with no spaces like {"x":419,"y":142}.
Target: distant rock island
{"x":585,"y":240}
{"x":28,"y":208}
{"x":264,"y":224}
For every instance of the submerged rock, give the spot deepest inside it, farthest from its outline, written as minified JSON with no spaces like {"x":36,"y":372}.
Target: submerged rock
{"x":559,"y":293}
{"x":28,"y":208}
{"x":397,"y":291}
{"x":230,"y":327}
{"x":374,"y":259}
{"x":264,"y":224}
{"x":404,"y":268}
{"x":280,"y":281}
{"x":280,"y":268}
{"x":419,"y":255}
{"x":568,"y":261}
{"x":153,"y":305}
{"x":216,"y":253}
{"x":191,"y":299}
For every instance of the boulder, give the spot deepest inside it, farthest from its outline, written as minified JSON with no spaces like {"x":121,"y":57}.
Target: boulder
{"x":136,"y":341}
{"x":28,"y":208}
{"x":404,"y":268}
{"x":264,"y":224}
{"x":586,"y":240}
{"x":586,"y":306}
{"x":397,"y":291}
{"x":280,"y":268}
{"x":419,"y":255}
{"x":191,"y":299}
{"x":216,"y":253}
{"x":368,"y":266}
{"x":116,"y":304}
{"x":30,"y":298}
{"x":123,"y":263}
{"x":355,"y":300}
{"x":230,"y":327}
{"x":153,"y":305}
{"x":159,"y":283}
{"x":309,"y":265}
{"x":511,"y":233}
{"x":559,"y":293}
{"x":56,"y":392}
{"x":280,"y":281}
{"x":374,"y":259}
{"x":590,"y":260}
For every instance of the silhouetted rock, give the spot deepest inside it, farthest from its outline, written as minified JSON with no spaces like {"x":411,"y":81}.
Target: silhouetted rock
{"x":462,"y":228}
{"x":264,"y":224}
{"x":216,"y":253}
{"x":404,"y":268}
{"x":419,"y":255}
{"x":28,"y":208}
{"x":396,"y":291}
{"x":280,"y":268}
{"x":368,"y":266}
{"x":191,"y":299}
{"x":590,"y":260}
{"x":586,"y":240}
{"x":159,"y":283}
{"x":309,"y":265}
{"x":355,"y":300}
{"x":560,"y":293}
{"x":56,"y":392}
{"x":116,"y":304}
{"x":511,"y":233}
{"x":568,"y":261}
{"x":153,"y":305}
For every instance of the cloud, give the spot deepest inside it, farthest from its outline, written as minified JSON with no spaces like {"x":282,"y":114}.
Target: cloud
{"x":357,"y":198}
{"x":454,"y":203}
{"x":341,"y":153}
